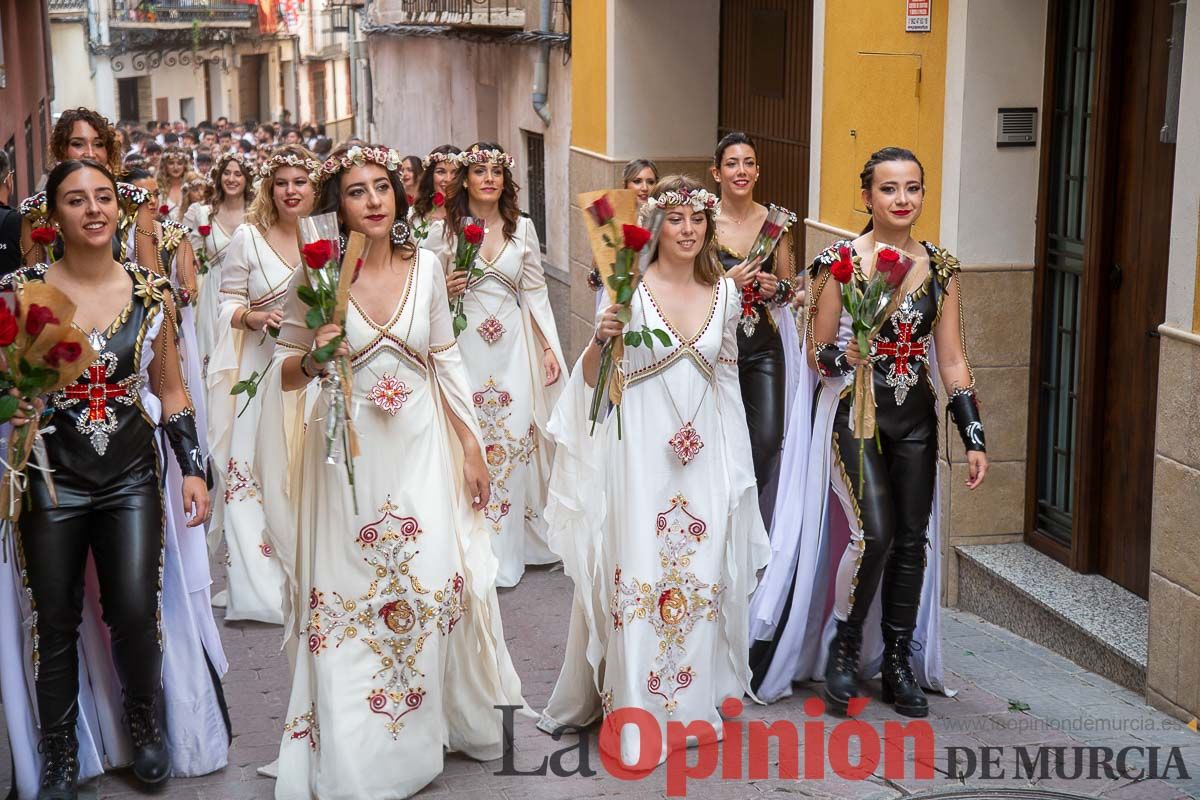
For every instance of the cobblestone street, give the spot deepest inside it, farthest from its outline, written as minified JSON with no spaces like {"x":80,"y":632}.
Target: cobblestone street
{"x":997,"y":674}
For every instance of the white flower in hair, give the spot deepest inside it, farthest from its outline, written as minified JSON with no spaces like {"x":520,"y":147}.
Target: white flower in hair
{"x":698,"y":199}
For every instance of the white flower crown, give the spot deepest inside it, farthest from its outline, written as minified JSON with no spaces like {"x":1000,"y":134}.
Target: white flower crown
{"x":435,"y":158}
{"x":309,"y":165}
{"x":221,"y":163}
{"x":485,"y":157}
{"x":357,"y":156}
{"x":698,"y":199}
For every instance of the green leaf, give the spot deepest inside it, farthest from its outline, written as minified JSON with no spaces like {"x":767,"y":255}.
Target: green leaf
{"x":315,"y":318}
{"x":8,"y":406}
{"x":323,"y":354}
{"x":460,"y":324}
{"x":625,"y":294}
{"x":273,"y":332}
{"x":624,"y":314}
{"x":308,"y":295}
{"x":248,"y":387}
{"x":1017,"y":705}
{"x":663,"y":337}
{"x":633,"y":338}
{"x":647,"y":339}
{"x":476,"y":273}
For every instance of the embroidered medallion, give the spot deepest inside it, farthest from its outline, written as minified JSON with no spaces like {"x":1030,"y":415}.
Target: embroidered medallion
{"x":503,"y":451}
{"x":906,"y":353}
{"x":673,"y":604}
{"x":304,"y":727}
{"x":490,"y":330}
{"x":100,"y":419}
{"x":389,"y":394}
{"x":239,"y":483}
{"x":686,"y":443}
{"x":393,"y":618}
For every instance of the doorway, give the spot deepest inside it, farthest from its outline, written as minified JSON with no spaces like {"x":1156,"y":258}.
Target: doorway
{"x":1103,"y":236}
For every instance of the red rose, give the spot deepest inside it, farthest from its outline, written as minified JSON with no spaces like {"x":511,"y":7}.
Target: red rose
{"x":205,"y":230}
{"x":64,"y":353}
{"x":44,"y":236}
{"x":164,"y":209}
{"x":473,"y":234}
{"x":317,"y":254}
{"x":410,"y":199}
{"x":38,"y":318}
{"x":8,"y":325}
{"x":635,"y":237}
{"x":843,"y":268}
{"x":601,"y":210}
{"x":895,"y":271}
{"x":886,"y":259}
{"x":439,"y":199}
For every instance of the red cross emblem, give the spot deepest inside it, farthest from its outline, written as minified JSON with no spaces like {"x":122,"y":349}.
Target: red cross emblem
{"x":97,"y":391}
{"x":903,"y":348}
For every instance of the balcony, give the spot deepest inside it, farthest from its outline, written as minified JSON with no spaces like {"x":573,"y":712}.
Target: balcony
{"x":68,"y":8}
{"x":168,"y":14}
{"x":488,"y":14}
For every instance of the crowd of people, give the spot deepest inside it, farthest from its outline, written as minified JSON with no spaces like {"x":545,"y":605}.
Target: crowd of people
{"x":729,"y":528}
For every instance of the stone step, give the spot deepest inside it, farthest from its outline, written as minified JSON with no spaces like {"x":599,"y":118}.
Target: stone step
{"x":1086,"y":618}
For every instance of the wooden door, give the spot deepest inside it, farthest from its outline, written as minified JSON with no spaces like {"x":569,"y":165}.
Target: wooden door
{"x":249,"y":80}
{"x":1134,"y":303}
{"x":766,"y":75}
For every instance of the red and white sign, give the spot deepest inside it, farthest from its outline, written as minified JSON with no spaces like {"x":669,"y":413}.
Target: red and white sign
{"x":916,"y":19}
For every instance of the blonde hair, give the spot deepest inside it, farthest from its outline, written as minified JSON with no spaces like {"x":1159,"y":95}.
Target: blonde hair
{"x":262,"y":211}
{"x":707,"y":267}
{"x":192,"y":180}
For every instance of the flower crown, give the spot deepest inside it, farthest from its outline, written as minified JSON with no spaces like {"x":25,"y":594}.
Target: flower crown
{"x":485,"y":157}
{"x":175,"y":154}
{"x":275,"y":162}
{"x":357,"y":156}
{"x":698,"y":199}
{"x":435,"y":158}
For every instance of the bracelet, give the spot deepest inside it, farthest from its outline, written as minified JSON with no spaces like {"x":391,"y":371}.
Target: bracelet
{"x":242,"y":319}
{"x":545,"y":349}
{"x":598,"y":341}
{"x":303,"y":368}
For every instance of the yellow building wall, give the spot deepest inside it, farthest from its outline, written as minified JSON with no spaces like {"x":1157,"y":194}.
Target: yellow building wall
{"x":882,"y":87}
{"x":589,"y":75}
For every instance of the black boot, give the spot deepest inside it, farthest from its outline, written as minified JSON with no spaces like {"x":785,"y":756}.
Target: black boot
{"x":151,"y":761}
{"x":61,"y":770}
{"x":900,"y":687}
{"x":841,"y":667}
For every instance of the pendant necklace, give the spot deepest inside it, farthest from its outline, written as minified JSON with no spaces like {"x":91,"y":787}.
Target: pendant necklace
{"x":491,"y":329}
{"x":389,"y":393}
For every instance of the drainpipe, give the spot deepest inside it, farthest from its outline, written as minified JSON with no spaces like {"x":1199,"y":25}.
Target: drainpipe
{"x":541,"y":69}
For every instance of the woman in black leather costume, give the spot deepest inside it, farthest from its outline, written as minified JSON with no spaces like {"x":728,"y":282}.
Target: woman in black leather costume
{"x":761,"y":370}
{"x":107,"y":477}
{"x":889,"y":515}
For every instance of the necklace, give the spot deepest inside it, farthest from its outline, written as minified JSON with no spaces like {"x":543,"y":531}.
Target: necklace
{"x":491,"y":329}
{"x":686,"y":442}
{"x":389,"y":393}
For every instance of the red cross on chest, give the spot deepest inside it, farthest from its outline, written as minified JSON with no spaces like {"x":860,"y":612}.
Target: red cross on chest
{"x":903,"y":348}
{"x":97,"y":392}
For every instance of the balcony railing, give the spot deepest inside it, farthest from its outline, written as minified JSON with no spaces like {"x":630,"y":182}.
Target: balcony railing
{"x":186,"y":12}
{"x":457,"y":13}
{"x":68,"y":6}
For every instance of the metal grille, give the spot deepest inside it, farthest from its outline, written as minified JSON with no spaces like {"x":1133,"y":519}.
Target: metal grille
{"x":535,"y":189}
{"x":1070,"y":141}
{"x":180,"y":11}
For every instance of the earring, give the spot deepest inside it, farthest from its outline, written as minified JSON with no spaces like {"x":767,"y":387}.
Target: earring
{"x":870,"y":209}
{"x":400,"y":233}
{"x":342,"y":243}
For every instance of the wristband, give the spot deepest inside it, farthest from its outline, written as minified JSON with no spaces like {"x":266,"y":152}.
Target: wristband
{"x":964,"y":408}
{"x":783,"y":293}
{"x":185,"y":442}
{"x":832,"y":361}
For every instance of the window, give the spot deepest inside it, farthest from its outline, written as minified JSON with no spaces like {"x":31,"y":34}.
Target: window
{"x":535,"y":152}
{"x":31,"y":181}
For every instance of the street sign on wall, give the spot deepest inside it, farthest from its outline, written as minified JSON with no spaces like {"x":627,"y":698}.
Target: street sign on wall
{"x":916,"y":18}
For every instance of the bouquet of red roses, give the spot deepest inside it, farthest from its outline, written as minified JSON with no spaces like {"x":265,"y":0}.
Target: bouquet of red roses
{"x":421,"y":225}
{"x":40,"y":352}
{"x":868,"y":301}
{"x":469,"y":242}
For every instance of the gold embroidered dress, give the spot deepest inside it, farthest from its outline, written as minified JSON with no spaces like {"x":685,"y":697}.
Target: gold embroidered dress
{"x":401,"y":652}
{"x":253,"y":275}
{"x":663,"y":554}
{"x":504,"y":363}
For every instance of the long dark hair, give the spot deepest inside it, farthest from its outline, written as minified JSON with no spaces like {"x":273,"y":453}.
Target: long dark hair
{"x":329,"y":197}
{"x":458,"y":205}
{"x":414,"y":163}
{"x":218,"y":190}
{"x":67,"y":168}
{"x":424,"y":205}
{"x":866,"y":178}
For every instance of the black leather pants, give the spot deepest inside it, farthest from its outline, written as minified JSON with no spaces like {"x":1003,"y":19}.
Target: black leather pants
{"x":893,"y":507}
{"x":121,"y":524}
{"x":762,"y":375}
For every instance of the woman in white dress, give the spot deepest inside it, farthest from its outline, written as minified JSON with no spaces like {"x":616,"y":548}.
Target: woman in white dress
{"x":172,"y":174}
{"x":258,"y":265}
{"x":401,"y":649}
{"x":660,"y":528}
{"x":212,"y":230}
{"x":511,"y":350}
{"x":427,"y":215}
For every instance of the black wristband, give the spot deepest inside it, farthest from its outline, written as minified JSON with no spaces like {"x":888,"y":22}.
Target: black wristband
{"x":185,"y":442}
{"x":784,"y":292}
{"x":964,"y":408}
{"x":832,"y":361}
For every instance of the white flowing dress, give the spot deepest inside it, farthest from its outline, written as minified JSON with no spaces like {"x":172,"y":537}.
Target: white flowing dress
{"x":401,"y":651}
{"x":253,"y":275}
{"x":664,"y":555}
{"x":208,"y":301}
{"x":504,"y":363}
